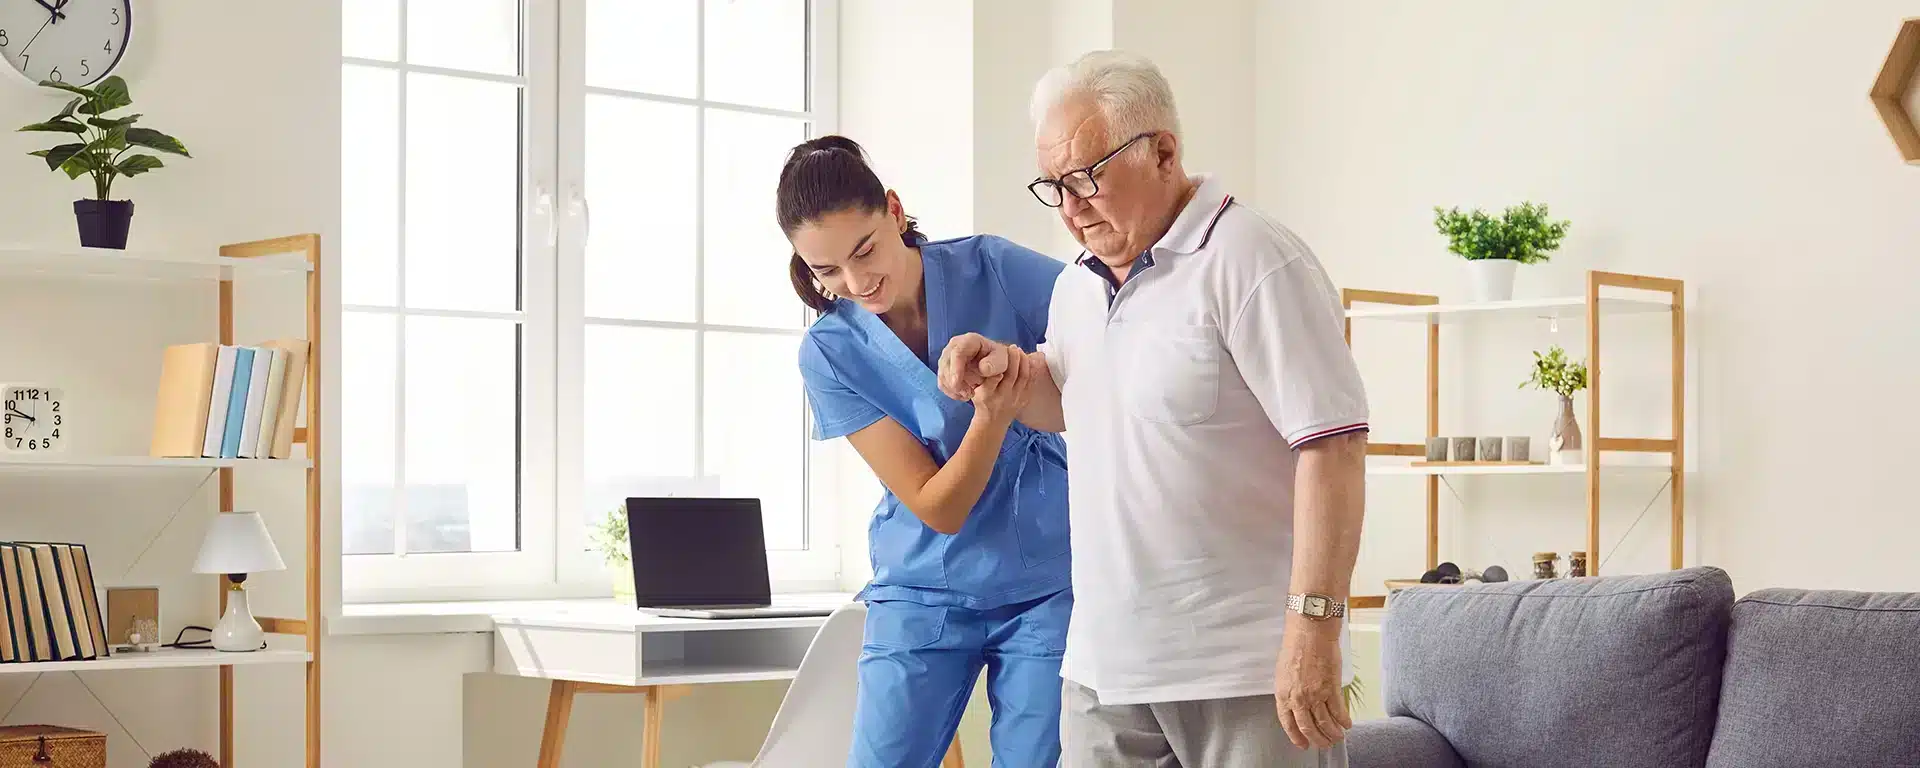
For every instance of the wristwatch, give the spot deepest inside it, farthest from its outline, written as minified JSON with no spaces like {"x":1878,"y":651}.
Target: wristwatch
{"x":1316,"y":606}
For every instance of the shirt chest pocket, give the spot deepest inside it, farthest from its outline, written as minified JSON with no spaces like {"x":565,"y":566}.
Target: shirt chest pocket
{"x":1168,"y":373}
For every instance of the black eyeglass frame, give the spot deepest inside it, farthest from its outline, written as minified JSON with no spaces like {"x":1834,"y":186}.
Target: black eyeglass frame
{"x":1061,"y":190}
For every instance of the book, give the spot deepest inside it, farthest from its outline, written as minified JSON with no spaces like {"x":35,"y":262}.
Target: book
{"x":222,"y":390}
{"x":10,"y":646}
{"x":16,"y":602}
{"x":270,"y":411}
{"x":256,"y":402}
{"x":293,"y":384}
{"x":40,"y":578}
{"x":90,"y":592}
{"x":237,"y":402}
{"x":180,"y":408}
{"x":74,"y":602}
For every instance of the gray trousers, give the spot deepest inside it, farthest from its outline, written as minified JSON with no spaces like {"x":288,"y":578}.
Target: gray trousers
{"x":1219,"y":733}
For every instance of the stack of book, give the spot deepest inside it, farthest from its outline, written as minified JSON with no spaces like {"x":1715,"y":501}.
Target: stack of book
{"x":52,"y":609}
{"x":229,"y":402}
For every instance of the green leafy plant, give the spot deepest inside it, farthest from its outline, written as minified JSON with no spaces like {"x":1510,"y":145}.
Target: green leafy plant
{"x":610,"y":537}
{"x":1352,"y":692}
{"x":105,"y":141}
{"x":1523,"y":233}
{"x":1552,"y":371}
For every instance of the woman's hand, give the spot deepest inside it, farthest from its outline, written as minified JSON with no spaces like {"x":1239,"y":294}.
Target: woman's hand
{"x":1000,"y":398}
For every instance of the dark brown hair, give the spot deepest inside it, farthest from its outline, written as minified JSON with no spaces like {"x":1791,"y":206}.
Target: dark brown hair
{"x":824,"y":176}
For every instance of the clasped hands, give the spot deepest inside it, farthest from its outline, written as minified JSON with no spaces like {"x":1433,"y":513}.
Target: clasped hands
{"x":997,"y":378}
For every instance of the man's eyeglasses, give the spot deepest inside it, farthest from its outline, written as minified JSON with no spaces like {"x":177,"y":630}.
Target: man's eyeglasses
{"x":1081,"y":184}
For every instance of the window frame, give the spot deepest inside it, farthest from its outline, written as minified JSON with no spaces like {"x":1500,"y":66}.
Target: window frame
{"x":554,"y":560}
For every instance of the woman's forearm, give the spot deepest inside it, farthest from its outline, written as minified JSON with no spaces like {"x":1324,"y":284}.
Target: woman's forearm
{"x":945,"y":499}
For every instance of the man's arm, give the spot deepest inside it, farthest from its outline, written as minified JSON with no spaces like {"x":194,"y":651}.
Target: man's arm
{"x":1329,"y":502}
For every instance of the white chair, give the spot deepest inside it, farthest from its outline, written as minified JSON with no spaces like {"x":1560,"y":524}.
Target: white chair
{"x":814,"y":727}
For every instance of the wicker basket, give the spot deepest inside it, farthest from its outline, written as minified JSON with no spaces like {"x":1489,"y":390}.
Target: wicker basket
{"x":51,"y":746}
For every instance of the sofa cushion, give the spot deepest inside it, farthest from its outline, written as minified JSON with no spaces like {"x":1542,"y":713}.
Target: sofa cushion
{"x":1620,"y":671}
{"x":1398,"y":742}
{"x":1821,"y":678}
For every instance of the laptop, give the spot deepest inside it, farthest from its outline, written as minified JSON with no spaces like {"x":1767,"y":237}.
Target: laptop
{"x":705,"y":558}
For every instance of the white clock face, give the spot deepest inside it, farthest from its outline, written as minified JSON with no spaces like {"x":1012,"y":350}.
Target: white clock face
{"x":72,"y":41}
{"x":33,"y":418}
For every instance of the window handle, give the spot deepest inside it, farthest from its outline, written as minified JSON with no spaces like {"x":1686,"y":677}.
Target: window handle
{"x":577,"y":206}
{"x":543,"y":208}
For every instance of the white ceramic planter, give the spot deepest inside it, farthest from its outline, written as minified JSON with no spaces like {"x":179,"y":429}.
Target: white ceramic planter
{"x":1490,"y":279}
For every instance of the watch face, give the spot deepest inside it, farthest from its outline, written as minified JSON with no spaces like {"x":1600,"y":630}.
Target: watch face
{"x":1316,"y":605}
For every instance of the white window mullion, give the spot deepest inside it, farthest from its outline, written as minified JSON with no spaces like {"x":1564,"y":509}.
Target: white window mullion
{"x":399,"y":503}
{"x":541,"y":398}
{"x":574,"y":569}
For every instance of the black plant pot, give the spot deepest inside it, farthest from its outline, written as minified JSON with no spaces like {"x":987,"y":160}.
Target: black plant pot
{"x":103,"y":223}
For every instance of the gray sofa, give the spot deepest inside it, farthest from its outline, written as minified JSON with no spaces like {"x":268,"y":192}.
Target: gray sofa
{"x":1662,"y":671}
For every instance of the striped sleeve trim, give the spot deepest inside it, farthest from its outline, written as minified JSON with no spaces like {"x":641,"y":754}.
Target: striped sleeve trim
{"x":1329,"y":432}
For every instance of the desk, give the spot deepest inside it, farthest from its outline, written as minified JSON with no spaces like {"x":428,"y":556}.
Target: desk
{"x":608,"y":647}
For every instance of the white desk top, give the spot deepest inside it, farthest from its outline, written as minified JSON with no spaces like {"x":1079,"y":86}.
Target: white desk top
{"x":604,"y":614}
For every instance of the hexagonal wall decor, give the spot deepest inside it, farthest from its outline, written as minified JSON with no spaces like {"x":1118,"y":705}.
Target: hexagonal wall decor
{"x":1891,"y":89}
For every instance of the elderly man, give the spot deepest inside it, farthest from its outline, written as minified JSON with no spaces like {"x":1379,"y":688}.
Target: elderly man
{"x":1216,"y":438}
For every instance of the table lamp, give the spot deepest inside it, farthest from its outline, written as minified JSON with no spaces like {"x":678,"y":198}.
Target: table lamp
{"x":237,"y":544}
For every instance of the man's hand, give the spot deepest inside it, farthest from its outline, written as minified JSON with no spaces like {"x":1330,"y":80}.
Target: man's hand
{"x":968,"y":360}
{"x":1306,"y":686}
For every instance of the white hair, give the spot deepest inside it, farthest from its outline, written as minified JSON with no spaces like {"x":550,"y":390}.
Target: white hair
{"x":1127,"y":88}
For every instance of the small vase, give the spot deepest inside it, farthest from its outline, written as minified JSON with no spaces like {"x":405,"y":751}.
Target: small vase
{"x":1490,"y":279}
{"x":621,"y":574}
{"x":1565,"y":441}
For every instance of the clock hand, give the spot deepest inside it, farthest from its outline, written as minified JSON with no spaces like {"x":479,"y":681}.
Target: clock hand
{"x":53,"y":9}
{"x":13,"y":412}
{"x":36,"y":36}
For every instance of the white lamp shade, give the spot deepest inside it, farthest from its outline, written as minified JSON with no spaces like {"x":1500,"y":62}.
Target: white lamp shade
{"x":237,"y":542}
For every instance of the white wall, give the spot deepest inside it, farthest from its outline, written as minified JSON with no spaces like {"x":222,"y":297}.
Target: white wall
{"x":1729,"y":144}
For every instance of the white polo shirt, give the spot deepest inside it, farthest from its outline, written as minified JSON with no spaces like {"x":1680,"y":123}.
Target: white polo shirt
{"x":1185,"y":394}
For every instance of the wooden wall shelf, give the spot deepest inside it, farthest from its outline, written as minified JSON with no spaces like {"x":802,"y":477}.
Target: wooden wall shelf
{"x":1661,"y":455}
{"x":1890,"y":90}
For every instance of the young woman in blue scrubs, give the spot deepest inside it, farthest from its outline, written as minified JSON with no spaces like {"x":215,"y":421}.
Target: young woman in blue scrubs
{"x":969,"y":541}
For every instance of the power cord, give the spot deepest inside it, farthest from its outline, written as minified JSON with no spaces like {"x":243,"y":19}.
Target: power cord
{"x":196,"y":644}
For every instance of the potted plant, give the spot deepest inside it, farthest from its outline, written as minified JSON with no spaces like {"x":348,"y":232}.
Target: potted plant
{"x":1552,"y":371}
{"x":1495,"y":248}
{"x":610,"y":537}
{"x":101,"y":152}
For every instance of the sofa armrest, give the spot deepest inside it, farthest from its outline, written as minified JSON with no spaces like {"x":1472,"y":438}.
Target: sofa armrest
{"x":1399,"y":742}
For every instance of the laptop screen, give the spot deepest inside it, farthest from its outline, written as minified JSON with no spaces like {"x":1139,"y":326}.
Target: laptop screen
{"x":695,"y":551}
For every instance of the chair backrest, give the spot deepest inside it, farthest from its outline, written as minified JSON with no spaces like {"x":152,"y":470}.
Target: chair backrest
{"x":814,"y":726}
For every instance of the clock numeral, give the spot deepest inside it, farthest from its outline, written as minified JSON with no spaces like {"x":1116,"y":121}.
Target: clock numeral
{"x":56,"y":433}
{"x":116,"y":16}
{"x":56,"y":422}
{"x":109,"y":48}
{"x":84,"y":69}
{"x":3,"y":38}
{"x":24,"y":59}
{"x":55,"y":75}
{"x":34,"y":394}
{"x":56,"y":406}
{"x":9,"y":433}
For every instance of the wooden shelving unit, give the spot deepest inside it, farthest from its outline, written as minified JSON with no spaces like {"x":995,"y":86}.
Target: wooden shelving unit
{"x":294,"y":255}
{"x":1641,"y":455}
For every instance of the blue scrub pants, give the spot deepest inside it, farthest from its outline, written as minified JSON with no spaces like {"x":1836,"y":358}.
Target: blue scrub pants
{"x":917,"y":670}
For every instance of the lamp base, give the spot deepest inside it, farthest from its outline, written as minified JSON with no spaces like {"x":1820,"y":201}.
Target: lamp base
{"x":237,"y":631}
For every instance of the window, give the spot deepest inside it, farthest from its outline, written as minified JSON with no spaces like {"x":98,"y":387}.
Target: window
{"x":562,"y":284}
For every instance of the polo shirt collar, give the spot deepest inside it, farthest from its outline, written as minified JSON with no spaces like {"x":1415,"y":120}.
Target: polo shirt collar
{"x":1194,"y":226}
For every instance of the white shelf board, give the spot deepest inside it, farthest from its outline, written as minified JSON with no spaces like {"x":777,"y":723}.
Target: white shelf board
{"x":56,"y":460}
{"x":1606,"y":467}
{"x":169,"y":265}
{"x":677,"y":672}
{"x":164,"y":658}
{"x":1572,"y":308}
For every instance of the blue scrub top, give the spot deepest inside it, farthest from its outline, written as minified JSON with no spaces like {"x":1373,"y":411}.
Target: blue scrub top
{"x":1013,"y":546}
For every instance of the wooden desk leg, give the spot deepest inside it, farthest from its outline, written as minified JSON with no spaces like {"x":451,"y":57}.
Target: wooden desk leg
{"x":954,"y":759}
{"x":554,"y":737}
{"x":655,"y":717}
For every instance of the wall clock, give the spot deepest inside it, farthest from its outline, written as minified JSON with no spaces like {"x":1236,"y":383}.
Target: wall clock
{"x":33,"y":419}
{"x":71,"y":41}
